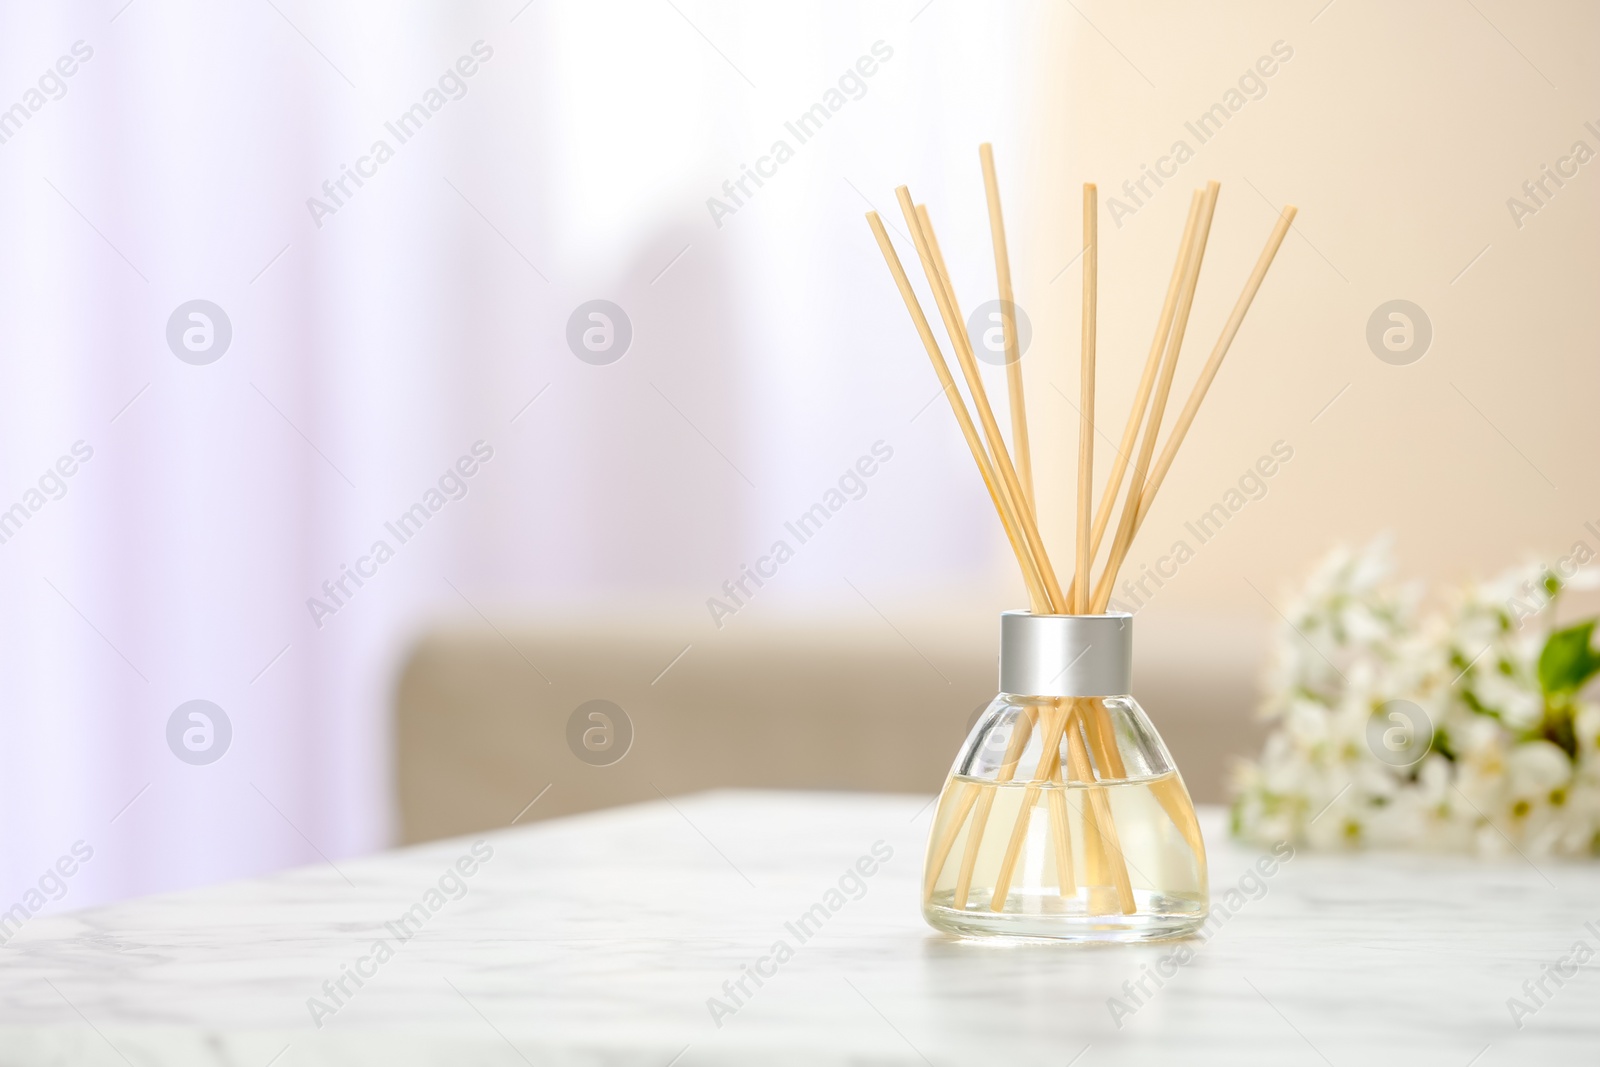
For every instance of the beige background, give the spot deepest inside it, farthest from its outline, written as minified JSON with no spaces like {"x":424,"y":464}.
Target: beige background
{"x":1399,"y":131}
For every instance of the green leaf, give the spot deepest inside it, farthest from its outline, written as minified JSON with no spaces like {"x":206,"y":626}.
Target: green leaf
{"x":1568,"y":661}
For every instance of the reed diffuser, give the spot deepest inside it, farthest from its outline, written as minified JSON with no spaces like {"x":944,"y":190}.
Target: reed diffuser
{"x":1064,"y":816}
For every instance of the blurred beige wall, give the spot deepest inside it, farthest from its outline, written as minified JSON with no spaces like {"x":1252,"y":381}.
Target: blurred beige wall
{"x":1400,"y":131}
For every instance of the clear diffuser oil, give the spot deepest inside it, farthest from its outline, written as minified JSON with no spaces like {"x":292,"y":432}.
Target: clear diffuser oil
{"x":1063,"y":879}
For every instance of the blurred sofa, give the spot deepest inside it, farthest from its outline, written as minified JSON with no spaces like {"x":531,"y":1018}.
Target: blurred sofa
{"x":487,"y":720}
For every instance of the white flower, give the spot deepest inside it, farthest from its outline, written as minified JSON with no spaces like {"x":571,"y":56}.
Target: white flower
{"x":1534,"y":768}
{"x":1519,"y":707}
{"x":1585,"y":578}
{"x":1493,"y":781}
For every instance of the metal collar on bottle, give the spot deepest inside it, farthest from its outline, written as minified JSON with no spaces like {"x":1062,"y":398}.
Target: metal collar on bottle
{"x":1066,"y":655}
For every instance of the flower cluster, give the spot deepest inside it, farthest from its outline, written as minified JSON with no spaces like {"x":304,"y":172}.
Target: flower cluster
{"x":1463,"y":729}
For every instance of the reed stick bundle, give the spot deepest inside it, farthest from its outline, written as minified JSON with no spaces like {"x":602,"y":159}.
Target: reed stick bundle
{"x":1074,"y":730}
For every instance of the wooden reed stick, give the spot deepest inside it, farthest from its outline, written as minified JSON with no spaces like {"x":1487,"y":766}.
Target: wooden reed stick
{"x":944,"y":295}
{"x":1021,"y":730}
{"x":1174,"y":800}
{"x":1008,"y":324}
{"x":1128,"y":524}
{"x":940,"y":851}
{"x":1229,"y":330}
{"x":1014,"y":504}
{"x":1169,"y":792}
{"x":1208,"y":373}
{"x":1095,"y":871}
{"x":1061,"y":835}
{"x":1037,"y":596}
{"x":1091,"y":281}
{"x":1056,"y":725}
{"x":1019,"y":501}
{"x":1141,"y":396}
{"x":1008,"y":865}
{"x":1049,"y":761}
{"x":969,"y":855}
{"x":1102,"y":737}
{"x":1099,"y":824}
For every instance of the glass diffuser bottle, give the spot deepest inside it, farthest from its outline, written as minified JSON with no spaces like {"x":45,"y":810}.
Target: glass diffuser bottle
{"x":1064,"y":816}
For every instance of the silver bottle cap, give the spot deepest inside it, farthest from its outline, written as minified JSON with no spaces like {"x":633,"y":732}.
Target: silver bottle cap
{"x":1066,"y":655}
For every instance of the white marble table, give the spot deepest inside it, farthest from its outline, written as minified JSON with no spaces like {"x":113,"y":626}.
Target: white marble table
{"x":599,"y":939}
